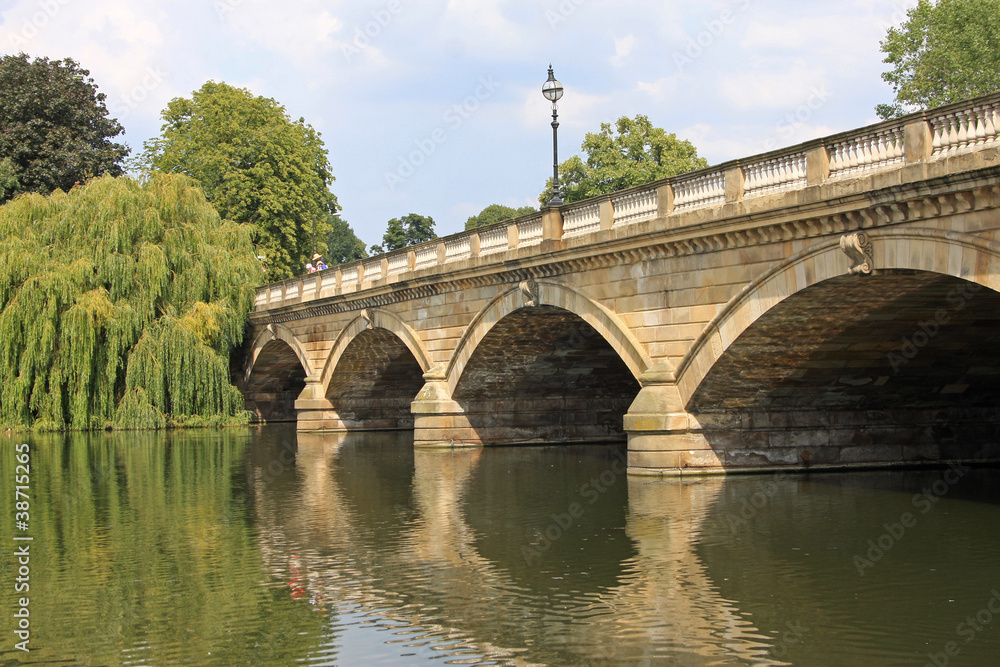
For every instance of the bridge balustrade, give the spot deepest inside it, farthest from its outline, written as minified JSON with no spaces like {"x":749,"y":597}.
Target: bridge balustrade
{"x":814,"y":305}
{"x":916,"y":138}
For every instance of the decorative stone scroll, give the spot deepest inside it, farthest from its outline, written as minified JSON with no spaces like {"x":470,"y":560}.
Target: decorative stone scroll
{"x":366,"y":316}
{"x":859,"y":248}
{"x":529,"y":290}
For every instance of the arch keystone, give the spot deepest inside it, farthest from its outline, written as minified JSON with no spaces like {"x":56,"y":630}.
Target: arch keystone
{"x":858,"y":246}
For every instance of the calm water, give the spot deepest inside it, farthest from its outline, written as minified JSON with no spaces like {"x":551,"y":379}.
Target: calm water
{"x":264,"y":548}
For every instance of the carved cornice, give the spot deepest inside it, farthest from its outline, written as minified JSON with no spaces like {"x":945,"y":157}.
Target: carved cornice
{"x":874,"y":209}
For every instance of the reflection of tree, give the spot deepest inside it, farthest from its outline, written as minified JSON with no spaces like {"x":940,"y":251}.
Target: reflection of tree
{"x":141,"y":552}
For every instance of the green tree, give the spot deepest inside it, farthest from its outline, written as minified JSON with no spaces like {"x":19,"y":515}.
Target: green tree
{"x":342,"y":245}
{"x":54,"y":127}
{"x":495,"y":213}
{"x":9,"y":182}
{"x":119,"y":306}
{"x":256,"y":165}
{"x":632,"y":152}
{"x":406,"y":231}
{"x":944,"y":52}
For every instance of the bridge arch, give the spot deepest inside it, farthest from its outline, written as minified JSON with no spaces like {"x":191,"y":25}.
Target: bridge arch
{"x":810,"y":365}
{"x":955,"y":254}
{"x":277,"y":372}
{"x":373,"y":372}
{"x":277,"y":332}
{"x":548,"y":293}
{"x":540,"y":363}
{"x":367,"y":321}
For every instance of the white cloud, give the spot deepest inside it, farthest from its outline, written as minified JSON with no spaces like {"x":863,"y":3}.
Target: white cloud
{"x":303,"y":31}
{"x":480,"y":29}
{"x":728,"y":142}
{"x":623,"y":47}
{"x":842,"y":38}
{"x":125,"y":46}
{"x":719,"y":144}
{"x":792,"y":33}
{"x":767,"y":85}
{"x":780,"y":72}
{"x":659,"y":89}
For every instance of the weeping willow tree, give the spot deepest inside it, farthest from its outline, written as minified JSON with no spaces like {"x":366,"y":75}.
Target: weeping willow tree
{"x":120,"y":304}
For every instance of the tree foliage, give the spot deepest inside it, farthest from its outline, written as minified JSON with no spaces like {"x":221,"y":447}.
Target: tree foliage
{"x":632,"y":152}
{"x":945,"y":51}
{"x":495,"y":213}
{"x":342,"y":245}
{"x":409,"y":230}
{"x":256,"y":165}
{"x":119,"y":305}
{"x":54,"y":127}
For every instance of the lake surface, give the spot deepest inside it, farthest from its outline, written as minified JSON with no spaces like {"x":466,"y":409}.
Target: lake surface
{"x":262,"y":547}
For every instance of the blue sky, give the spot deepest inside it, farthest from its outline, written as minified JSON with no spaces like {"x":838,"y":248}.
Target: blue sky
{"x":435,"y":107}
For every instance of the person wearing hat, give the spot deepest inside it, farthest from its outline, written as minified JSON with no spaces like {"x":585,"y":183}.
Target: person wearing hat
{"x":318,"y":259}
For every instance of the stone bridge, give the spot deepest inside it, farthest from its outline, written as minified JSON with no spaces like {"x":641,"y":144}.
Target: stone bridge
{"x":828,"y":305}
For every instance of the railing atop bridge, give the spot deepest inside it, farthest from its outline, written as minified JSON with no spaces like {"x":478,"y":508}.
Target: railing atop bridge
{"x":924,"y":136}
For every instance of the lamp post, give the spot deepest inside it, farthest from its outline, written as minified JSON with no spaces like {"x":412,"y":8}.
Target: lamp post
{"x":553,"y":90}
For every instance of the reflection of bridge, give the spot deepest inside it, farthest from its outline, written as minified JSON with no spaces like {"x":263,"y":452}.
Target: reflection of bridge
{"x":814,"y":306}
{"x":401,"y":565}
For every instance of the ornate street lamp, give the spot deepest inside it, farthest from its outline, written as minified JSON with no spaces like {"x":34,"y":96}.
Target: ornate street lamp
{"x":553,"y":90}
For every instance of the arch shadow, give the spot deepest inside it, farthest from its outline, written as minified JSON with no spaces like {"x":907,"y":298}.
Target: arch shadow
{"x":373,"y":372}
{"x":276,"y":375}
{"x":549,"y":293}
{"x":810,"y":365}
{"x":274,"y":332}
{"x":953,"y":254}
{"x":542,"y":363}
{"x":374,"y":319}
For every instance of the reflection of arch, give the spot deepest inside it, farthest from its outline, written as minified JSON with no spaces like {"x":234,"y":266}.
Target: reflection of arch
{"x":949,"y":253}
{"x":275,"y":332}
{"x":605,"y":322}
{"x":374,"y":319}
